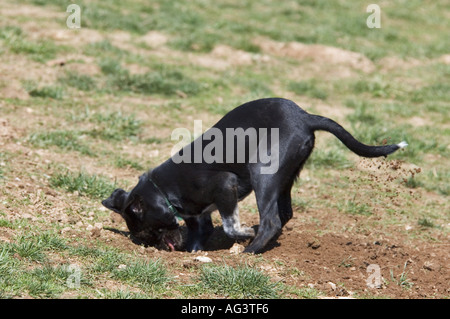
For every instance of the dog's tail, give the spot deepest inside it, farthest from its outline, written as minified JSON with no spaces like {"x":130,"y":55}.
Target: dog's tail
{"x":321,"y":123}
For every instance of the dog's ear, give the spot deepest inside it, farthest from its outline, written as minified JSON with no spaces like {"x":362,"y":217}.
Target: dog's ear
{"x":135,"y":207}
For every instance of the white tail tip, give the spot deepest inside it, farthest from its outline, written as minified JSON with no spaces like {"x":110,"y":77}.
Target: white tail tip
{"x":402,"y":144}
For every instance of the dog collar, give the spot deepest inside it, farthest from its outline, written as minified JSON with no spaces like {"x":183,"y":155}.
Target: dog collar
{"x":168,"y":203}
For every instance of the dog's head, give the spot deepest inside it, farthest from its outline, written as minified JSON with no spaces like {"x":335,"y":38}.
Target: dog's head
{"x":147,"y":215}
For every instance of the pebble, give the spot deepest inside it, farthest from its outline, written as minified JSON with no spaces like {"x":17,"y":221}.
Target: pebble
{"x":236,"y":249}
{"x":203,"y":259}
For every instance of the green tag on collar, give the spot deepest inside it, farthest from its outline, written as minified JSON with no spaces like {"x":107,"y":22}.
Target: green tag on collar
{"x":168,"y":203}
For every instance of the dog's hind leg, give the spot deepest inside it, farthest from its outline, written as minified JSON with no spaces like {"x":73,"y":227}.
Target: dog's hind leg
{"x":273,"y":196}
{"x":284,"y":200}
{"x":267,"y":192}
{"x":285,"y":207}
{"x":274,"y":214}
{"x":270,"y":223}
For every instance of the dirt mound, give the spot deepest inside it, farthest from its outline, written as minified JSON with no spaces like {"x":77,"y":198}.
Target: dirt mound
{"x":317,"y":53}
{"x":348,"y":262}
{"x":390,"y":63}
{"x":224,"y":56}
{"x":154,"y":39}
{"x":444,"y":59}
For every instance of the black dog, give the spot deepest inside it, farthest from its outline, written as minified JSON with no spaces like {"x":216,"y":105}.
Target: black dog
{"x":267,"y":143}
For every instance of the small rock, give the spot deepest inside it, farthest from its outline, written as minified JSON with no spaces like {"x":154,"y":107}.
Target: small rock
{"x":65,"y":230}
{"x":332,"y":285}
{"x":151,"y":250}
{"x":98,"y":225}
{"x":203,"y":259}
{"x":428,"y":266}
{"x":236,"y":249}
{"x":95,"y":230}
{"x":314,"y":244}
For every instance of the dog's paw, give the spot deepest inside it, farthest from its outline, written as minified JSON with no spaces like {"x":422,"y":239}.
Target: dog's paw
{"x":243,"y":233}
{"x":248,"y":232}
{"x":194,"y":247}
{"x":249,"y":250}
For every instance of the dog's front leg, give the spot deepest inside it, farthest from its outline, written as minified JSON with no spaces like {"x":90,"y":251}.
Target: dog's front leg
{"x":232,"y":225}
{"x":226,"y":201}
{"x":199,"y":230}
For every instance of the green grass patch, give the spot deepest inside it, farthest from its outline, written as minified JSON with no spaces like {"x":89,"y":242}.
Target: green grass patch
{"x":41,"y":51}
{"x":328,"y":158}
{"x":49,"y":91}
{"x":114,"y":126}
{"x":371,"y":125}
{"x":16,"y":41}
{"x":165,"y":80}
{"x":109,"y":16}
{"x":376,"y":87}
{"x":309,"y":88}
{"x":17,"y":278}
{"x":33,"y":247}
{"x":434,"y":92}
{"x":93,"y":186}
{"x":10,"y":31}
{"x":241,"y":282}
{"x":6,"y":223}
{"x":66,"y":140}
{"x":427,"y":223}
{"x":354,"y":208}
{"x":151,"y":276}
{"x":106,"y":50}
{"x":79,"y":81}
{"x":122,"y":162}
